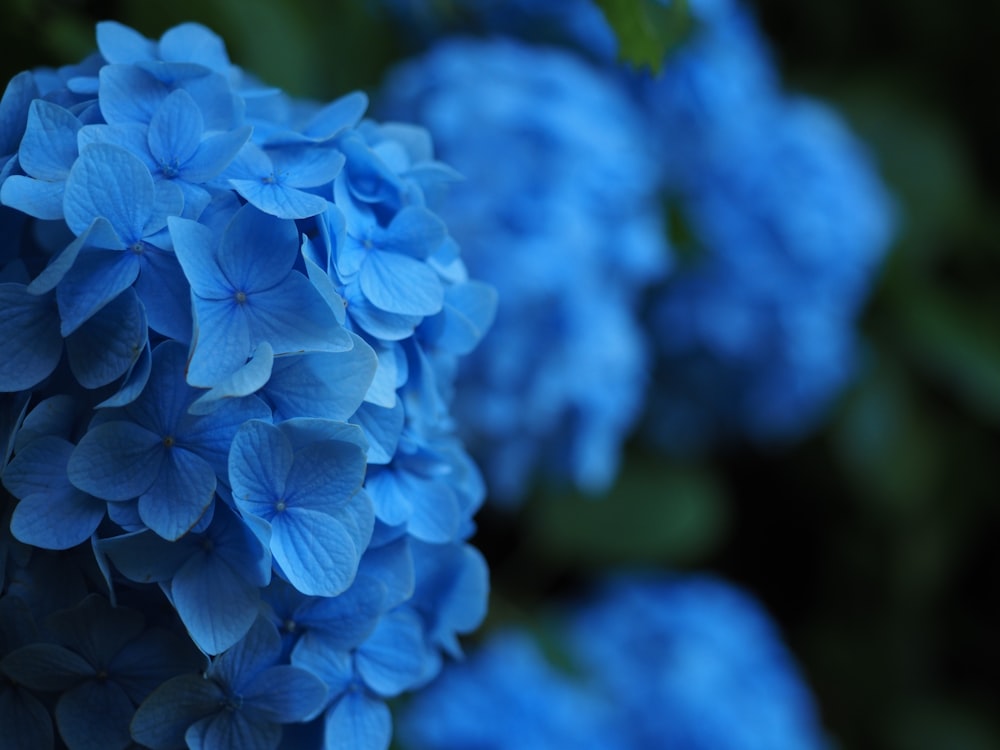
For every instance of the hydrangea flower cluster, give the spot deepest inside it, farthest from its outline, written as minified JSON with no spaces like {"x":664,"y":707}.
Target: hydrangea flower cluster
{"x":558,"y":212}
{"x":782,"y":223}
{"x":690,"y":663}
{"x":233,"y":499}
{"x":787,"y":221}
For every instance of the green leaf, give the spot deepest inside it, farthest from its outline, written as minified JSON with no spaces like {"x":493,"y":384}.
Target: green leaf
{"x":663,"y":515}
{"x":648,"y":30}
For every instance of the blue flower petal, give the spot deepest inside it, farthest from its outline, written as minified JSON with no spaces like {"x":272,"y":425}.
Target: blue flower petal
{"x":111,"y":182}
{"x":24,"y":719}
{"x":95,"y":714}
{"x":175,"y":131}
{"x":233,"y":729}
{"x":214,"y":154}
{"x":315,"y":551}
{"x":29,"y":328}
{"x":337,"y":116}
{"x":358,"y":721}
{"x":284,"y":694}
{"x":49,"y":148}
{"x":257,"y":251}
{"x":96,"y":278}
{"x":43,"y":200}
{"x":393,"y":658}
{"x":166,"y":295}
{"x":243,"y":382}
{"x":134,"y":382}
{"x":280,"y":200}
{"x":108,"y":344}
{"x":331,"y":385}
{"x":192,"y":42}
{"x":400,"y":284}
{"x":180,"y":494}
{"x":120,"y":44}
{"x":414,"y":231}
{"x":116,"y":461}
{"x":128,"y":93}
{"x":164,"y":717}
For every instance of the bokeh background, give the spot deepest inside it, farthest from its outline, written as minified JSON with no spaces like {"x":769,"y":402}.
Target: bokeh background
{"x":874,"y":541}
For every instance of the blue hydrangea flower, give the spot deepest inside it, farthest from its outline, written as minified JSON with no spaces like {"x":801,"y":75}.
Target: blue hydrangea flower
{"x":557,"y":211}
{"x":647,"y":661}
{"x":222,"y":310}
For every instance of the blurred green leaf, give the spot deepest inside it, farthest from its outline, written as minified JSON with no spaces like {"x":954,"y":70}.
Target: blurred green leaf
{"x":655,"y":514}
{"x":648,"y":29}
{"x":942,"y":725}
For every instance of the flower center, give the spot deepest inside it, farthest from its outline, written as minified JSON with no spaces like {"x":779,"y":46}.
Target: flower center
{"x":280,"y":506}
{"x":168,"y":441}
{"x":240,"y":297}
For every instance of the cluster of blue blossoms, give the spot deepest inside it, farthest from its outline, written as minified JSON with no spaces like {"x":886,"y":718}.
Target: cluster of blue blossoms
{"x":648,"y":661}
{"x":780,"y":222}
{"x":232,"y":498}
{"x":558,"y":211}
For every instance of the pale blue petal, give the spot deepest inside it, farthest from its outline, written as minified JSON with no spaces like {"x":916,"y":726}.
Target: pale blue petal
{"x":259,"y":461}
{"x":135,"y":380}
{"x":98,"y":234}
{"x":116,"y":461}
{"x":331,"y":385}
{"x":401,"y":284}
{"x":358,"y":721}
{"x":293,"y":317}
{"x":131,"y":136}
{"x":168,"y":200}
{"x":469,"y":309}
{"x":280,"y":200}
{"x":129,"y":94}
{"x":211,"y":437}
{"x":222,"y":342}
{"x":324,"y":476}
{"x":111,"y":182}
{"x":14,"y":108}
{"x":195,"y":247}
{"x":393,"y":658}
{"x":249,"y":379}
{"x":29,"y":328}
{"x":43,"y":200}
{"x":48,"y":148}
{"x":214,"y":154}
{"x":161,"y":406}
{"x":382,"y":427}
{"x":304,"y":431}
{"x":120,"y":44}
{"x":257,"y":250}
{"x":180,"y":494}
{"x":192,"y":42}
{"x":175,"y":131}
{"x":315,"y":551}
{"x":144,"y":557}
{"x":337,"y":116}
{"x":306,"y":166}
{"x":414,"y":231}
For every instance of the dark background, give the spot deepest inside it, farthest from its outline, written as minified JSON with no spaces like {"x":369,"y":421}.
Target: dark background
{"x":874,"y":541}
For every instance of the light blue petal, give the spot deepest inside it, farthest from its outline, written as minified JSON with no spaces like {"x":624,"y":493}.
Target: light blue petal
{"x":379,"y":323}
{"x":324,"y":475}
{"x":120,"y":44}
{"x":469,"y":309}
{"x":211,"y":437}
{"x":29,"y":328}
{"x":358,"y":721}
{"x":175,"y":131}
{"x":222,"y":342}
{"x":392,"y":566}
{"x":257,"y":250}
{"x":382,"y":427}
{"x":192,"y":42}
{"x":56,"y":416}
{"x":131,"y":136}
{"x":280,"y":200}
{"x":337,"y":116}
{"x":304,"y":431}
{"x":284,"y":694}
{"x":168,"y":200}
{"x":393,"y":504}
{"x":129,"y":94}
{"x":249,"y":379}
{"x":161,"y":406}
{"x":116,"y":461}
{"x":14,"y":108}
{"x":144,"y":557}
{"x":108,"y":344}
{"x":195,"y":247}
{"x":98,"y":234}
{"x":393,"y":658}
{"x":95,"y":715}
{"x":400,"y":284}
{"x":214,"y":154}
{"x":111,"y":182}
{"x":331,"y":385}
{"x":180,"y":494}
{"x":306,"y":166}
{"x":315,"y":551}
{"x":96,"y":278}
{"x":414,"y":231}
{"x":293,"y":317}
{"x":43,"y":200}
{"x":48,"y":148}
{"x":259,"y":461}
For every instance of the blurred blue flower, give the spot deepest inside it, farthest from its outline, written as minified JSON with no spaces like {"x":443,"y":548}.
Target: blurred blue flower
{"x":647,"y":661}
{"x":557,"y":210}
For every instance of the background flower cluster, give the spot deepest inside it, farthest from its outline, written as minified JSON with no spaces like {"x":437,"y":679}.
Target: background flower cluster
{"x":744,"y":325}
